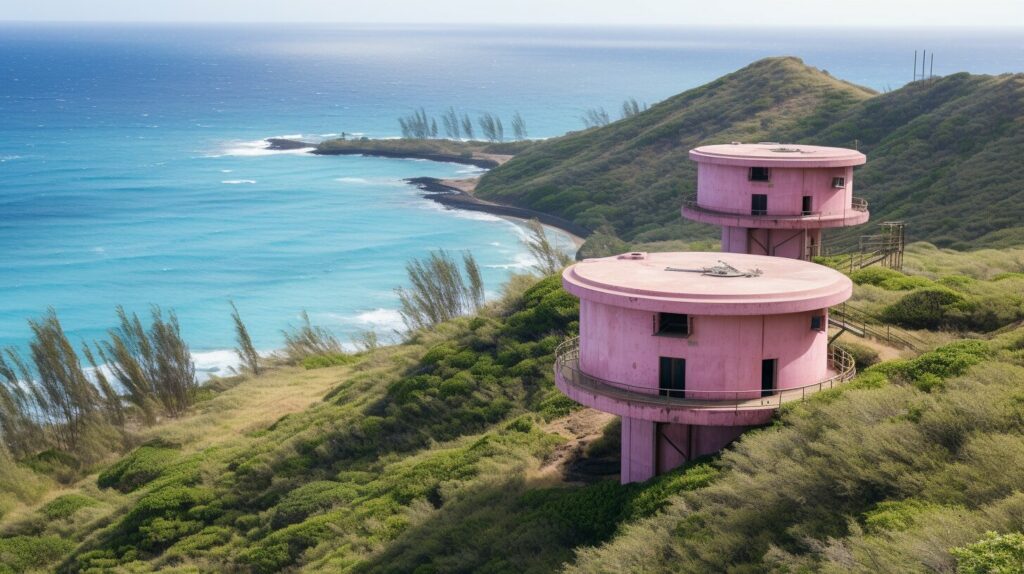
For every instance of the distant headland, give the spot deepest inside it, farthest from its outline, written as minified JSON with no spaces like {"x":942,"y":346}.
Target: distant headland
{"x":451,"y":193}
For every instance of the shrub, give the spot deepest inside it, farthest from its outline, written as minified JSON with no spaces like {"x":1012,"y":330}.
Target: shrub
{"x":309,"y":499}
{"x":893,"y":515}
{"x":57,"y":464}
{"x":139,"y":467}
{"x":994,"y":554}
{"x":657,"y":492}
{"x":928,"y":370}
{"x":888,"y":279}
{"x":863,"y":355}
{"x":65,"y":506}
{"x":23,"y":553}
{"x":923,"y":309}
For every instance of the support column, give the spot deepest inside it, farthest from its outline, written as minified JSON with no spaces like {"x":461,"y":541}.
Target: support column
{"x":638,"y":459}
{"x":734,"y":240}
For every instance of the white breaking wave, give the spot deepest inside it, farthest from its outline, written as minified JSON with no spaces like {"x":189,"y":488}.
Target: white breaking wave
{"x":215,"y":363}
{"x":352,"y":180}
{"x":520,"y":261}
{"x":238,"y":181}
{"x":260,"y":147}
{"x":389,"y":319}
{"x":4,"y":158}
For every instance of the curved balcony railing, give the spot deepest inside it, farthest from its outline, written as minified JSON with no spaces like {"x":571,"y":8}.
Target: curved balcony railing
{"x":567,"y":368}
{"x":858,"y":204}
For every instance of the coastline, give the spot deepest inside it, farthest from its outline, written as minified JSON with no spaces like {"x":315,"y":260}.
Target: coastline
{"x":371,"y":148}
{"x":454,"y":196}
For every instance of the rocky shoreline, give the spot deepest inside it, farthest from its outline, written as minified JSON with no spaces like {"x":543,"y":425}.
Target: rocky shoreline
{"x":438,"y":190}
{"x":455,"y":198}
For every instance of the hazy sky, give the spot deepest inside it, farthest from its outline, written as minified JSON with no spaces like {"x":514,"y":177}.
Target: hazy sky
{"x":818,"y":13}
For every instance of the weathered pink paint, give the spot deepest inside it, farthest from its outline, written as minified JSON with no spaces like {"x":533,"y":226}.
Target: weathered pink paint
{"x":796,"y":172}
{"x":736,"y":323}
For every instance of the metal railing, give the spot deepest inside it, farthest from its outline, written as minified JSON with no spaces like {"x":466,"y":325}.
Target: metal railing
{"x":858,"y":204}
{"x":854,"y":320}
{"x":567,"y":367}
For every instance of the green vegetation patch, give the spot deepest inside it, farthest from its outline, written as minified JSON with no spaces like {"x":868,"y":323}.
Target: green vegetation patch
{"x":24,"y":553}
{"x":139,"y":467}
{"x":888,"y":279}
{"x":66,"y":506}
{"x":995,"y":554}
{"x":327,"y":360}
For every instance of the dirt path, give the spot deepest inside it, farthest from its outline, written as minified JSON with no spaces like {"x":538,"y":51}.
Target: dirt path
{"x":580,"y":428}
{"x":885,"y":352}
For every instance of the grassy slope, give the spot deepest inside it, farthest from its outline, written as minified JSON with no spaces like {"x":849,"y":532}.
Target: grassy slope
{"x":633,"y":172}
{"x":943,"y":154}
{"x":426,"y":455}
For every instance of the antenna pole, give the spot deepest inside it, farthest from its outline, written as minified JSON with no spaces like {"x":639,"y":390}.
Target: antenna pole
{"x":915,"y":66}
{"x":924,"y":56}
{"x":931,"y":68}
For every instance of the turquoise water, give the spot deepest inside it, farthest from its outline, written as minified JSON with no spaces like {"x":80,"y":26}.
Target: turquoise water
{"x":131,"y":169}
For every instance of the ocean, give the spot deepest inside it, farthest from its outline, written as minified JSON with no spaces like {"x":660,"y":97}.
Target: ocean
{"x":132,"y":168}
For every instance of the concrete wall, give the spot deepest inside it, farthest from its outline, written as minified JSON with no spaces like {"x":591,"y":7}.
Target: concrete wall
{"x":727,"y":188}
{"x":723,"y":353}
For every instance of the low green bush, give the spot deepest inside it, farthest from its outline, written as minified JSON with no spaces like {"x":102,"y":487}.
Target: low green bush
{"x":139,"y":467}
{"x":994,"y":554}
{"x":309,"y":499}
{"x":65,"y":506}
{"x":930,"y":369}
{"x":888,"y":279}
{"x":930,"y":308}
{"x":896,"y":515}
{"x":57,"y":464}
{"x":27,"y":553}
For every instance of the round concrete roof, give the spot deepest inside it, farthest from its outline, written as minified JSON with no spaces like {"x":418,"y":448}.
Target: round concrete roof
{"x":777,"y":155}
{"x":676,"y":283}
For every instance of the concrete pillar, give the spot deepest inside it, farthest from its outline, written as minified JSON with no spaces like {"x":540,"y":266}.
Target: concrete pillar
{"x":638,"y":458}
{"x":734,"y":240}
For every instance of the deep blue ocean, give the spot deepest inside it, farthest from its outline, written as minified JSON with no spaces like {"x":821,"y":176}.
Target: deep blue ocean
{"x":132,"y":170}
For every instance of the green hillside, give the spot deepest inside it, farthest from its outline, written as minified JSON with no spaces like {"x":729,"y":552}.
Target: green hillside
{"x":943,"y":154}
{"x":453,"y":452}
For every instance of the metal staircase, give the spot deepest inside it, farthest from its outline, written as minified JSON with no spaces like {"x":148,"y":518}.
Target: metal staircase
{"x":850,"y":319}
{"x":885,"y":248}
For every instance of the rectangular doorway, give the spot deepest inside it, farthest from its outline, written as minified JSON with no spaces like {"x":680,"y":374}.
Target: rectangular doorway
{"x":768,"y":369}
{"x":758,"y":204}
{"x":805,"y":206}
{"x":672,"y":377}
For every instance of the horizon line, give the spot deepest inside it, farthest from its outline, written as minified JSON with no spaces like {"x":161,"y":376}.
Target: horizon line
{"x":601,"y":25}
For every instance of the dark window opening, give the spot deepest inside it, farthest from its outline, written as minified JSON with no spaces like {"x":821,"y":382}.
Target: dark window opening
{"x":758,"y":204}
{"x":818,"y":323}
{"x":672,"y":377}
{"x":839,"y":182}
{"x":760,"y":174}
{"x":806,"y":205}
{"x":673,"y":324}
{"x":767,"y":377}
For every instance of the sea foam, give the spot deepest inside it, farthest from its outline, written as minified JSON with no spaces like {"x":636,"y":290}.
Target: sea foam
{"x":260,"y":147}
